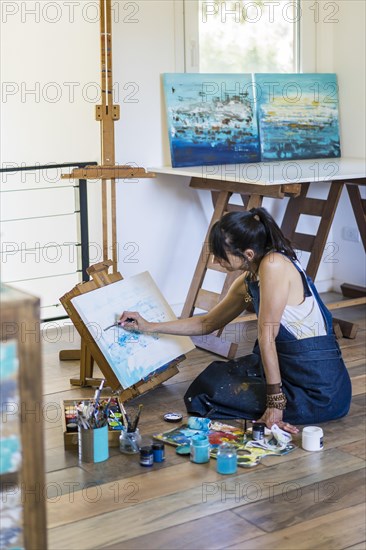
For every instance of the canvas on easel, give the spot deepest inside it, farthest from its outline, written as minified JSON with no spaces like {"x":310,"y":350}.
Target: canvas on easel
{"x":131,"y":355}
{"x":132,"y":363}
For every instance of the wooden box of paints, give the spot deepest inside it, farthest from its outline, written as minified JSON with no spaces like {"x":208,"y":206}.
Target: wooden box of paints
{"x":70,"y":420}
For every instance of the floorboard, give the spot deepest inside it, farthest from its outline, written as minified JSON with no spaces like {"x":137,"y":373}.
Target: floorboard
{"x":325,"y":532}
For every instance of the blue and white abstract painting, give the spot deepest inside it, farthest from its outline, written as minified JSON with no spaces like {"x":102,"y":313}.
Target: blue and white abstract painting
{"x":211,"y":119}
{"x":131,"y":355}
{"x":298,"y":116}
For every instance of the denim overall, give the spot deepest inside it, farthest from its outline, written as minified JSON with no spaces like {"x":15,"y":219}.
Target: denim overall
{"x":314,"y":377}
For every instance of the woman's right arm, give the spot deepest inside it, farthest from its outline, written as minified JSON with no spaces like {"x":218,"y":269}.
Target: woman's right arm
{"x":228,"y":309}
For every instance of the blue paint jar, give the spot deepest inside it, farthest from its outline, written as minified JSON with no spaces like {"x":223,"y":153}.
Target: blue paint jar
{"x":158,"y":452}
{"x":226,"y":459}
{"x":200,"y":449}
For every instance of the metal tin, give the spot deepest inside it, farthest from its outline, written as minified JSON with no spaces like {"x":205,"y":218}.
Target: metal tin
{"x":173,"y":417}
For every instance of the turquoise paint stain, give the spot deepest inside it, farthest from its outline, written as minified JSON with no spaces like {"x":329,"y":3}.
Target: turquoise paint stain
{"x":9,"y":361}
{"x":10,"y":454}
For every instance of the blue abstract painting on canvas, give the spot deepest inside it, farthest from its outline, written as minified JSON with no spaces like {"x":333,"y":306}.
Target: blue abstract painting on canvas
{"x":298,"y":116}
{"x":211,"y":119}
{"x":132,"y":356}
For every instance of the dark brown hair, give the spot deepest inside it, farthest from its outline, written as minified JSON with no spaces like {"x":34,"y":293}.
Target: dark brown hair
{"x":255,"y":229}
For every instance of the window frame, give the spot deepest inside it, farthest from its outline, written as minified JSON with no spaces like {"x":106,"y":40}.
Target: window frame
{"x":305,"y":46}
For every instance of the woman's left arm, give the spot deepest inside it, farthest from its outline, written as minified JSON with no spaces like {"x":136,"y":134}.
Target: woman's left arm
{"x":274,"y":277}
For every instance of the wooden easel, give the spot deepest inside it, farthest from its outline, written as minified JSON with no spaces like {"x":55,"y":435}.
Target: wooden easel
{"x":108,"y":172}
{"x":90,"y":350}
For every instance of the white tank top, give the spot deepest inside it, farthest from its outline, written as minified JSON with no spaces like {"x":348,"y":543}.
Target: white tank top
{"x":304,"y":320}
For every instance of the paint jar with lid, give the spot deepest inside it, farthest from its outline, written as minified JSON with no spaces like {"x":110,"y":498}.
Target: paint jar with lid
{"x":312,"y":438}
{"x":158,"y":452}
{"x":129,"y":442}
{"x":200,"y":449}
{"x":259,"y":431}
{"x":146,"y":456}
{"x":226,"y":459}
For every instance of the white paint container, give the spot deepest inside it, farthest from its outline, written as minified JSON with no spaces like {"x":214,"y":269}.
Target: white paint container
{"x":312,"y":438}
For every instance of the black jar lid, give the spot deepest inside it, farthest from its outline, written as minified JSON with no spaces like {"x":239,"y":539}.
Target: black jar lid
{"x":158,"y":446}
{"x":259,"y":427}
{"x":146,"y":450}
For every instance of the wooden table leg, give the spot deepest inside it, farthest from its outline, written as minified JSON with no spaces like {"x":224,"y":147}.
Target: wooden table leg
{"x":359,"y":209}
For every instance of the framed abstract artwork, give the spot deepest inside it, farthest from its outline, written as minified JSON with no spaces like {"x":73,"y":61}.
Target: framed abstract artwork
{"x":211,"y":119}
{"x":297,"y":116}
{"x":244,"y":118}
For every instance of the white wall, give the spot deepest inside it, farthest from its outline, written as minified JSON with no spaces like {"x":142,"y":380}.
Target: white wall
{"x":53,"y":124}
{"x":163,"y":216}
{"x":49,"y":73}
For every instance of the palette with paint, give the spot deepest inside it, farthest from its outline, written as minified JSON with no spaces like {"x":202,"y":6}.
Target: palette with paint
{"x":218,"y":433}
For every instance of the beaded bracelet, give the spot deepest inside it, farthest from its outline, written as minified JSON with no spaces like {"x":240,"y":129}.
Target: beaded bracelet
{"x":277,"y":401}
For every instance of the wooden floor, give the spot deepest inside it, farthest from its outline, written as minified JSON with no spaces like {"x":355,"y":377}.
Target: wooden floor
{"x":298,"y":501}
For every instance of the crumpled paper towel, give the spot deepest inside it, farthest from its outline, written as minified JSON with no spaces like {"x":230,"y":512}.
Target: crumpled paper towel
{"x":277,"y":442}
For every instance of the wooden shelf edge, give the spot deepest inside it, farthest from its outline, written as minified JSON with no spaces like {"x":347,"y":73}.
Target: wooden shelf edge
{"x":108,"y":173}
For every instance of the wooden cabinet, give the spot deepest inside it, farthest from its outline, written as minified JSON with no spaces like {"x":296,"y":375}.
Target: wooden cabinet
{"x":22,"y":474}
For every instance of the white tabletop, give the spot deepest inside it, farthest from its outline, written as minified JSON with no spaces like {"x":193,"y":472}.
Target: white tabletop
{"x":277,"y":172}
